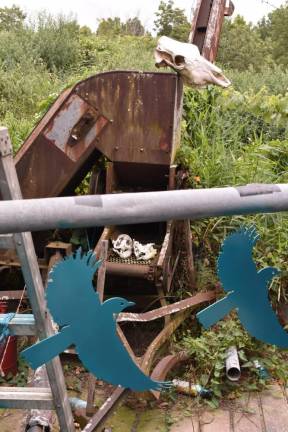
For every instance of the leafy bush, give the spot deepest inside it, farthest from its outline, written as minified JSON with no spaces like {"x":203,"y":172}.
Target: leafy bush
{"x":208,"y":354}
{"x":229,"y":138}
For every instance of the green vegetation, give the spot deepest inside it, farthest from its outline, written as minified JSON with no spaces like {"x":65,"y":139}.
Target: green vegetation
{"x":171,"y":21}
{"x":229,"y":137}
{"x":208,"y":354}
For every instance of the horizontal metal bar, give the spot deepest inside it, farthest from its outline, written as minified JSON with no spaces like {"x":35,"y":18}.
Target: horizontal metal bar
{"x":21,"y":325}
{"x":26,"y":398}
{"x":7,"y":241}
{"x":142,"y":207}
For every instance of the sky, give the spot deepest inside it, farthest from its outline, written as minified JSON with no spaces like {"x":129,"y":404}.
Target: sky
{"x":89,"y":11}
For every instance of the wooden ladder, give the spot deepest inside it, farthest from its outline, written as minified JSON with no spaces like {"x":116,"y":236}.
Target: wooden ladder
{"x":56,"y":396}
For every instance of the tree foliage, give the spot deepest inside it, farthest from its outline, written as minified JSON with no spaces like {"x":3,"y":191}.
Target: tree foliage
{"x":277,"y":33}
{"x":171,"y":21}
{"x":133,"y":27}
{"x":109,"y":27}
{"x":241,"y":46}
{"x":11,"y":18}
{"x":112,"y":27}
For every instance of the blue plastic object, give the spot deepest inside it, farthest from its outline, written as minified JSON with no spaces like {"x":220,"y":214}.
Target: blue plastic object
{"x":4,"y":326}
{"x":90,"y":325}
{"x":247,"y":290}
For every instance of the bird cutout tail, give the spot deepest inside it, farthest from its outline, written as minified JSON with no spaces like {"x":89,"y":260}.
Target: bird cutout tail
{"x":162,"y":386}
{"x":45,"y":350}
{"x":215,"y":312}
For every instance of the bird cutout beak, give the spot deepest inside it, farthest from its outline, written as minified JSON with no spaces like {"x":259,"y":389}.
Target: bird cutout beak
{"x":130,"y":304}
{"x":185,"y":58}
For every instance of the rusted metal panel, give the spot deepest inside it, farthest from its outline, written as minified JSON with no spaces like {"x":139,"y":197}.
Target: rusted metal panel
{"x":127,"y":116}
{"x":129,"y":270}
{"x":48,"y":167}
{"x":165,"y":365}
{"x":140,"y":107}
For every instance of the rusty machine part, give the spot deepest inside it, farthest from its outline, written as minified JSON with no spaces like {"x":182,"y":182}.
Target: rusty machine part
{"x":125,"y":127}
{"x":207,"y":23}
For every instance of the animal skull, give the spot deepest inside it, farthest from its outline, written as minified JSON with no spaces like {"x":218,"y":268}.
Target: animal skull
{"x":144,"y":252}
{"x":186,"y":59}
{"x":123,"y":246}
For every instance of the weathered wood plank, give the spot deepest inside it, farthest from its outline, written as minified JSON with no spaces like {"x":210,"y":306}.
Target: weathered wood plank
{"x":26,"y":398}
{"x":6,"y":241}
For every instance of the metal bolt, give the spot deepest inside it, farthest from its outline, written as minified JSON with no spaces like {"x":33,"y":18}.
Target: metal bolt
{"x":116,"y":148}
{"x":141,"y":149}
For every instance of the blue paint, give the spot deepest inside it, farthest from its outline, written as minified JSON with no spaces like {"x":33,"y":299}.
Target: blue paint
{"x":88,"y":324}
{"x":247,"y":290}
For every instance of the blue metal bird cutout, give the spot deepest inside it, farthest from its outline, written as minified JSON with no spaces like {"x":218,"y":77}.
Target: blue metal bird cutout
{"x":89,"y":325}
{"x":247,"y":290}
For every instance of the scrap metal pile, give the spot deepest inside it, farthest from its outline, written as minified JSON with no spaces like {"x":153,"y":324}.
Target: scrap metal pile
{"x":133,"y":120}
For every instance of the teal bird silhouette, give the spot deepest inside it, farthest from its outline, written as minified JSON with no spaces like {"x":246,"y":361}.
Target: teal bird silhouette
{"x":247,"y":290}
{"x":89,"y":325}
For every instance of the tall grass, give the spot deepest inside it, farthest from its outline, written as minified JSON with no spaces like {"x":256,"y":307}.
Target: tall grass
{"x":229,"y":139}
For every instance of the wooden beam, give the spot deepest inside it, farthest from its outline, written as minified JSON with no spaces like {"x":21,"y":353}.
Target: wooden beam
{"x":26,"y":398}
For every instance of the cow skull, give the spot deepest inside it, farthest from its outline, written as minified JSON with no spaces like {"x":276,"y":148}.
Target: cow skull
{"x":123,"y":246}
{"x":186,"y":59}
{"x":144,"y":252}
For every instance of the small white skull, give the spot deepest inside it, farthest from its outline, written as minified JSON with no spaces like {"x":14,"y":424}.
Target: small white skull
{"x":186,"y":59}
{"x":144,"y":252}
{"x":123,"y":246}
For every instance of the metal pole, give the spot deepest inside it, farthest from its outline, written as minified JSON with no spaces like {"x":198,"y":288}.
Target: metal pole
{"x":130,"y":208}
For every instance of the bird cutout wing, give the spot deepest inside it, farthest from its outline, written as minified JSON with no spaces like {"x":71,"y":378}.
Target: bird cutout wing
{"x":247,"y":290}
{"x":236,"y":271}
{"x":89,"y":325}
{"x":70,"y":288}
{"x":69,"y":293}
{"x":236,"y":268}
{"x":110,"y":361}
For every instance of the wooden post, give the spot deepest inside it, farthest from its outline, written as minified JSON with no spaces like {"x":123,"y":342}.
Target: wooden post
{"x":10,"y":189}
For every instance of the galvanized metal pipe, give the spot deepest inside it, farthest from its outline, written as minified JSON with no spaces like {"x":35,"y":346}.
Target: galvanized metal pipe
{"x":130,"y":208}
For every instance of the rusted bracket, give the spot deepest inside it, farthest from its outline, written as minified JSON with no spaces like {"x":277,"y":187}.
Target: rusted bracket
{"x":164,"y":367}
{"x":167,"y":310}
{"x":100,"y":289}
